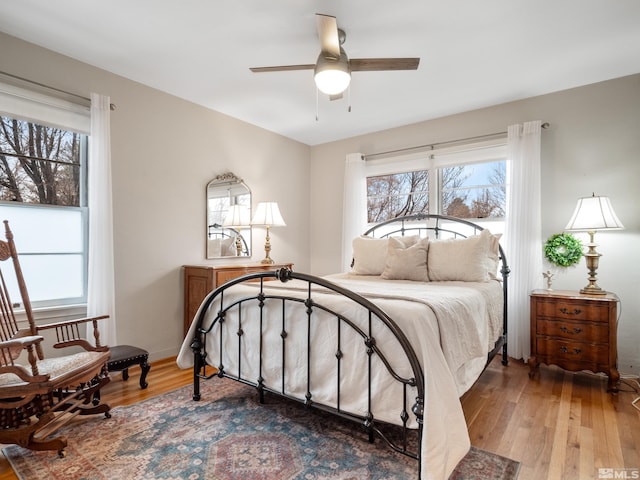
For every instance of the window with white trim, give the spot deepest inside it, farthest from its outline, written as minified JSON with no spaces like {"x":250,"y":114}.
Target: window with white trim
{"x":397,"y":194}
{"x":474,"y":191}
{"x":465,"y":181}
{"x":43,"y":193}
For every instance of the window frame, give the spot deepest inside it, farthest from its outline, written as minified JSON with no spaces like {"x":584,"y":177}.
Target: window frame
{"x":34,"y":107}
{"x":435,"y":160}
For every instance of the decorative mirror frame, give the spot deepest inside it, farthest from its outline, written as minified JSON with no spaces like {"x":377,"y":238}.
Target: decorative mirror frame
{"x":224,"y":238}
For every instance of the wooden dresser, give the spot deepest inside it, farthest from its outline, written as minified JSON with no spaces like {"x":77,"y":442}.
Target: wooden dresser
{"x":199,"y":280}
{"x":575,"y":332}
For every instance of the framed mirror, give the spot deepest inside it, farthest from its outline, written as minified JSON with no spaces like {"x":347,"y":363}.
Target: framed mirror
{"x":228,"y":217}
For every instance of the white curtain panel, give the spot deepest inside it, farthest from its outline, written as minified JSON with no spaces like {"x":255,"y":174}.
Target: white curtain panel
{"x":523,"y":231}
{"x":101,"y":284}
{"x":354,"y":204}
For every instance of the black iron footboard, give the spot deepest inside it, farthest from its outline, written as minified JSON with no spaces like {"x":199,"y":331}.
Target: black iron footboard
{"x":212,"y":322}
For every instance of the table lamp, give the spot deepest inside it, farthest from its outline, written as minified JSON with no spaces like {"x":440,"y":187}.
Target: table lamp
{"x":268,"y":215}
{"x":236,"y":218}
{"x":591,"y":214}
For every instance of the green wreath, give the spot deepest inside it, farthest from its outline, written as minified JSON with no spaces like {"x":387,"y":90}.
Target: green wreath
{"x":563,"y":249}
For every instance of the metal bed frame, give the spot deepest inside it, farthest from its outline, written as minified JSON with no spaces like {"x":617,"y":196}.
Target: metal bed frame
{"x":405,"y":441}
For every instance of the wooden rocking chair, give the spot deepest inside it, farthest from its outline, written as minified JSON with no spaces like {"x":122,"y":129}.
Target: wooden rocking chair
{"x":39,"y":397}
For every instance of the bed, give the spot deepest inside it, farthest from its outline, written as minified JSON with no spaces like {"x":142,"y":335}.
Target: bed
{"x":391,"y":344}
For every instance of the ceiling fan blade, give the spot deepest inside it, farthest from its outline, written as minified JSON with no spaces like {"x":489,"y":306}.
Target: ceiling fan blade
{"x":375,"y":64}
{"x":328,"y":33}
{"x":282,"y":68}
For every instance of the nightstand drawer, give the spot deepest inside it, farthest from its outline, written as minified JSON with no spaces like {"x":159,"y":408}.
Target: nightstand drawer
{"x":566,"y":351}
{"x":582,"y":332}
{"x":572,"y":310}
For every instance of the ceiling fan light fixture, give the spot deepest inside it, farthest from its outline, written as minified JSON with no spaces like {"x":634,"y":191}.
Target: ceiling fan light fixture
{"x":332,"y":76}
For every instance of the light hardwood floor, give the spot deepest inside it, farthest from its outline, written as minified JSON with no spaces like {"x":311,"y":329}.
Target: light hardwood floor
{"x":559,"y":425}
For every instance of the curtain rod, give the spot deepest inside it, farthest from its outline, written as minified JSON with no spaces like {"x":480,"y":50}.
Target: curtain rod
{"x":431,"y":146}
{"x":22,"y":79}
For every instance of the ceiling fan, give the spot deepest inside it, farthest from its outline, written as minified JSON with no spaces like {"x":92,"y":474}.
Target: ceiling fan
{"x":332,"y":70}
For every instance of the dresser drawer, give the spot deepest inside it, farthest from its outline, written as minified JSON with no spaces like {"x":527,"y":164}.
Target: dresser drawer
{"x":593,"y":312}
{"x":226,"y":275}
{"x":597,"y":332}
{"x":563,"y":351}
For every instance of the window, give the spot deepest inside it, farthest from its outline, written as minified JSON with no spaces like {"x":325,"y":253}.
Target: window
{"x":40,"y":164}
{"x":43,"y":195}
{"x":474,"y":191}
{"x":397,"y":194}
{"x":467,"y":182}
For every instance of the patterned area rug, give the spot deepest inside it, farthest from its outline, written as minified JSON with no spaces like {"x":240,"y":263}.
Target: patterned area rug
{"x":227,"y":436}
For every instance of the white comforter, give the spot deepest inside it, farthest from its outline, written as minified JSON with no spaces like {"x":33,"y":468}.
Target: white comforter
{"x":450,"y":325}
{"x":469,"y":316}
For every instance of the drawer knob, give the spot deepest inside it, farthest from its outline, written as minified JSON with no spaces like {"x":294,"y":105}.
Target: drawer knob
{"x":574,"y":330}
{"x":566,"y":311}
{"x":576,"y":351}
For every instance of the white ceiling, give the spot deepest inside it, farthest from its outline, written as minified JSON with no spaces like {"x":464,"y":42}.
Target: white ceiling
{"x":473,"y":53}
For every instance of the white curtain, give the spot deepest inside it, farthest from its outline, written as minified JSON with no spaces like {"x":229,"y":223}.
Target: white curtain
{"x":101,"y":284}
{"x":354,"y":204}
{"x":523,"y":231}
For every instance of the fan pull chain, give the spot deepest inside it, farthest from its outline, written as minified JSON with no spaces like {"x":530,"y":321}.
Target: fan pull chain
{"x":349,"y":98}
{"x":317,"y":114}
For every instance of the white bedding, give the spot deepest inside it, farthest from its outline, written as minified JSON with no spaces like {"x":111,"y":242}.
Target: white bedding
{"x":465,"y":343}
{"x":452,"y":352}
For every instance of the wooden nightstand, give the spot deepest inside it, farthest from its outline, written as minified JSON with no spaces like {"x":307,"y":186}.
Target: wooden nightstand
{"x":575,"y":332}
{"x":199,"y":280}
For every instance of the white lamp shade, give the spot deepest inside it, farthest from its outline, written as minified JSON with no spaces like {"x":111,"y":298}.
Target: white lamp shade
{"x":237,"y":216}
{"x":594,"y":213}
{"x":332,"y":82}
{"x":268,"y":215}
{"x":332,"y":76}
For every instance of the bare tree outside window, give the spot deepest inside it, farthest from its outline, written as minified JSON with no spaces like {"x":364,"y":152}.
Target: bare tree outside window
{"x":39,"y":164}
{"x":458,"y":208}
{"x":498,"y":178}
{"x":474,"y":190}
{"x":396,"y":195}
{"x":454,"y":198}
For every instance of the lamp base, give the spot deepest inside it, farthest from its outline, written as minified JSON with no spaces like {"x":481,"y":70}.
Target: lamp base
{"x":267,"y":250}
{"x":593,"y":290}
{"x":592,"y":258}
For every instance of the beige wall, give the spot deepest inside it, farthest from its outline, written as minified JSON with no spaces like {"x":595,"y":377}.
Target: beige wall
{"x":164,"y":151}
{"x":592,"y":145}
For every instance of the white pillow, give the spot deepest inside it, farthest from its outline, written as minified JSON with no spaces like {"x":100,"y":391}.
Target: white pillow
{"x":228,"y":247}
{"x":408,"y":240}
{"x":472,"y":259}
{"x":213,"y":249}
{"x":406,"y":263}
{"x":369,"y":254}
{"x":493,"y":255}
